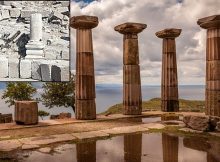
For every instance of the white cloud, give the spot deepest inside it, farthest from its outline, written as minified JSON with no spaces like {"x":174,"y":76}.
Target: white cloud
{"x":157,"y":15}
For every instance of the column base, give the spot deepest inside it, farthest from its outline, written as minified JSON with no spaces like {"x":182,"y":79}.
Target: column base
{"x":34,"y":49}
{"x":132,"y":110}
{"x":85,"y":109}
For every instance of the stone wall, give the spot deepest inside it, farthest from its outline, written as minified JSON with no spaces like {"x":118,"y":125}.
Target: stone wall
{"x":15,"y":34}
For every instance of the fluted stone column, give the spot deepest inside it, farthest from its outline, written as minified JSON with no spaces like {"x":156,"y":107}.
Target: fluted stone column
{"x":132,"y":99}
{"x":34,"y":48}
{"x":85,"y":80}
{"x":169,"y":81}
{"x":212,"y":101}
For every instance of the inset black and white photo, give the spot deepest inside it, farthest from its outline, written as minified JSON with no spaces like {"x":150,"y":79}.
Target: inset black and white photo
{"x":34,"y":41}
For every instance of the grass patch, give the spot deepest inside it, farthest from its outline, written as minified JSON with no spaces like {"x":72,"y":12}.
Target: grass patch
{"x":155,"y":104}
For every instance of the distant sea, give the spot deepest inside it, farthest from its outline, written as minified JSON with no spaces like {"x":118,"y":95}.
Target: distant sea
{"x":108,"y":95}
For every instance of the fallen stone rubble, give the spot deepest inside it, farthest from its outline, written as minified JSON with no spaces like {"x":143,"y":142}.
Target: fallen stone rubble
{"x":15,"y":34}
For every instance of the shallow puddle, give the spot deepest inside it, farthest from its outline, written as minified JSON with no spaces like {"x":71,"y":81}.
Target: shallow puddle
{"x":153,"y":147}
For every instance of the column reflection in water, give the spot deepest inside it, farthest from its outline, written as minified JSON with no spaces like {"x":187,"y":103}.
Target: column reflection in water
{"x":86,"y":152}
{"x":170,"y":148}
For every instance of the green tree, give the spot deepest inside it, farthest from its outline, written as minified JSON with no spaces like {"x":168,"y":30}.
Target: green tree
{"x":59,"y":94}
{"x":18,"y":91}
{"x":43,"y":113}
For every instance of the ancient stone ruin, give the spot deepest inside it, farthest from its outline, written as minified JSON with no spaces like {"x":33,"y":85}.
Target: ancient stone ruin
{"x":34,"y":40}
{"x":132,"y":99}
{"x":85,"y":79}
{"x":212,"y":24}
{"x":169,"y":85}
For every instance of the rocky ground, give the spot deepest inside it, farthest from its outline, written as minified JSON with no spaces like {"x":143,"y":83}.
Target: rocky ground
{"x":15,"y":33}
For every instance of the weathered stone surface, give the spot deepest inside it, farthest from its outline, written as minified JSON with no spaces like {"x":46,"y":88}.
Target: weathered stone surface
{"x":6,"y":118}
{"x":92,"y":134}
{"x":130,"y":28}
{"x":55,"y":73}
{"x":200,"y":123}
{"x":29,"y":147}
{"x":9,"y":145}
{"x":3,"y":67}
{"x":35,"y":70}
{"x":126,"y":129}
{"x":84,"y":22}
{"x":26,"y":112}
{"x":65,"y":54}
{"x":5,"y":14}
{"x":15,"y":12}
{"x":13,"y":68}
{"x":45,"y":140}
{"x":168,"y":33}
{"x":45,"y":150}
{"x":61,"y":116}
{"x":209,"y":22}
{"x":25,"y":69}
{"x":27,"y":13}
{"x":45,"y":72}
{"x":218,"y":126}
{"x":153,"y":126}
{"x":190,"y":130}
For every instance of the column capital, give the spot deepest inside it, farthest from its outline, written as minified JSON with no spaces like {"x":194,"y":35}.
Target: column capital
{"x":168,"y":33}
{"x":130,"y":28}
{"x":209,"y":22}
{"x":84,"y":22}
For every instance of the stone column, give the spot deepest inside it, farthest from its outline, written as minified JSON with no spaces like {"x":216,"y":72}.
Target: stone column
{"x":85,"y":80}
{"x":169,"y":81}
{"x":34,"y":48}
{"x":212,"y":101}
{"x":132,"y":99}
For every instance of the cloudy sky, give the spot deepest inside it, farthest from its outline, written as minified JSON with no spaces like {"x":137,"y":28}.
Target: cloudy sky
{"x":157,"y":14}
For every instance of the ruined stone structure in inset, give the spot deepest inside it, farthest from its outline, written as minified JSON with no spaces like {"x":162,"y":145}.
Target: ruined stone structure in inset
{"x":170,"y":148}
{"x":85,"y":80}
{"x":212,"y":101}
{"x":132,"y":98}
{"x":169,"y":81}
{"x":34,"y":38}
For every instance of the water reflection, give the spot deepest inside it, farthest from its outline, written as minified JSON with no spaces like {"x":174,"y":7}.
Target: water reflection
{"x":153,"y":147}
{"x":132,"y":147}
{"x":86,"y":152}
{"x":170,"y":148}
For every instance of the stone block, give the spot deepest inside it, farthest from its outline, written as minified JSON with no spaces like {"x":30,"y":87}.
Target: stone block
{"x":35,"y":70}
{"x":45,"y":72}
{"x":13,"y":68}
{"x":62,"y":9}
{"x":51,"y":53}
{"x":5,"y":14}
{"x":200,"y":123}
{"x":16,"y":5}
{"x":3,"y":67}
{"x":58,"y":15}
{"x":27,"y":13}
{"x":15,"y":12}
{"x":26,"y":112}
{"x":25,"y":69}
{"x":55,"y":73}
{"x":45,"y":14}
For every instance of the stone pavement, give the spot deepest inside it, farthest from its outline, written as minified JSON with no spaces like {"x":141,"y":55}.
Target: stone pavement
{"x":48,"y":132}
